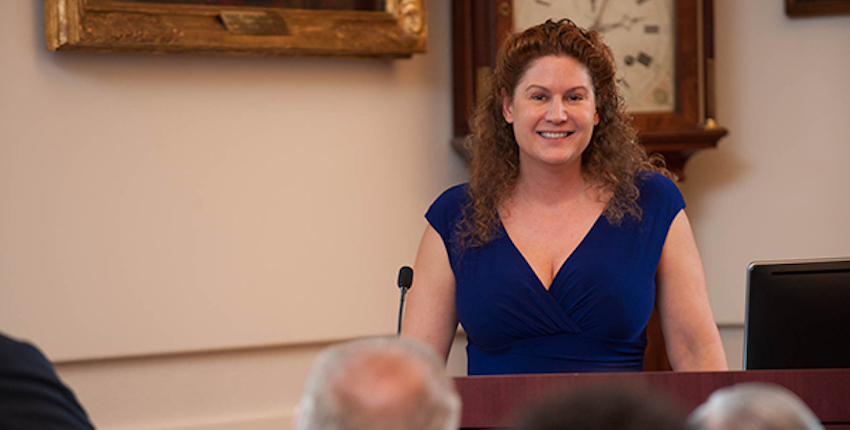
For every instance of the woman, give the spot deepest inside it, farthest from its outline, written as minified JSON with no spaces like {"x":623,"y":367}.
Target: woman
{"x":554,"y":254}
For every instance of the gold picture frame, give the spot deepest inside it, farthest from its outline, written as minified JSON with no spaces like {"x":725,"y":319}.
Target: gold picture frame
{"x":398,"y":31}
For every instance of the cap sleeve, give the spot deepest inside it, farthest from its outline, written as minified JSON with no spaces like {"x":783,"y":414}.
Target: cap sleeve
{"x":660,"y":197}
{"x":446,"y":212}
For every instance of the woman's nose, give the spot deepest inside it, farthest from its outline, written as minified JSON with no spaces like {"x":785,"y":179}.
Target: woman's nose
{"x":557,"y":111}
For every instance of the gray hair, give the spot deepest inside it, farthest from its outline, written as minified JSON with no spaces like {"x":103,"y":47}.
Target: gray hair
{"x":754,"y":406}
{"x":379,"y":384}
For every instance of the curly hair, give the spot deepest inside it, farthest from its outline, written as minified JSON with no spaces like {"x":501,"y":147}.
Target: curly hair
{"x":611,"y":160}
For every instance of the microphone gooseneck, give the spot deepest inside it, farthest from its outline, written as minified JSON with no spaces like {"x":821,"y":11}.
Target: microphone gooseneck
{"x":405,"y":280}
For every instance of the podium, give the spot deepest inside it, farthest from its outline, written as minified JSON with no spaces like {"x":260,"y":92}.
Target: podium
{"x":491,"y":402}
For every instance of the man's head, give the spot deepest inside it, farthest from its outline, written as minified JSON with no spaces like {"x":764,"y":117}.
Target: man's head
{"x":377,"y":384}
{"x":754,"y":406}
{"x":604,"y":408}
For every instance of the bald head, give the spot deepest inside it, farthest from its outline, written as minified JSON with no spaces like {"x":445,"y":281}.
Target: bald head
{"x":754,"y":406}
{"x":379,"y":384}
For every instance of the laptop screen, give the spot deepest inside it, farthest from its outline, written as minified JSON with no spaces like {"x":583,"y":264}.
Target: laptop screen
{"x":798,"y":315}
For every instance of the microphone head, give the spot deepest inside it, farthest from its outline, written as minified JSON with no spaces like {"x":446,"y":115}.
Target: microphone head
{"x":405,"y":277}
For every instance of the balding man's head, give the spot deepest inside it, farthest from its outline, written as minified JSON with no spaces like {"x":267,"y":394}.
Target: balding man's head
{"x":754,"y":406}
{"x":378,"y":384}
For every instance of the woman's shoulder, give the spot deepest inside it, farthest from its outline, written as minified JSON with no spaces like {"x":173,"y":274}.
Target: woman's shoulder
{"x":655,"y":188}
{"x":654,"y":181}
{"x":453,"y":196}
{"x":447,"y":209}
{"x":654,"y":178}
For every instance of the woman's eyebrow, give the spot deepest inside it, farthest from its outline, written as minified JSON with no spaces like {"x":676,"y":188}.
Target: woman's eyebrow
{"x":544,"y":88}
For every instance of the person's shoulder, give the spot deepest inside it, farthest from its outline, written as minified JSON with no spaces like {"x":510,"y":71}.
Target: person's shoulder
{"x":31,"y":394}
{"x":454,"y":197}
{"x":654,"y":179}
{"x":456,"y":192}
{"x":14,"y":353}
{"x":658,"y":189}
{"x":445,"y":212}
{"x":654,"y":182}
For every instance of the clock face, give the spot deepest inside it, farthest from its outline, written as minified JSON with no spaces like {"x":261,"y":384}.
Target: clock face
{"x":641,"y":33}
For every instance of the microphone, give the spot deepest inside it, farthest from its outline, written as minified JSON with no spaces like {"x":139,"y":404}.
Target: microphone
{"x":405,"y":279}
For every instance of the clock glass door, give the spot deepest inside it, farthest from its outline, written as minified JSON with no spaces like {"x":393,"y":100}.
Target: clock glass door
{"x":641,"y":34}
{"x":663,"y":48}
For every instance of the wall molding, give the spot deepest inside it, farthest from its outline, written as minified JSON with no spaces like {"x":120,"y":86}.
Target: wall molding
{"x":189,"y":353}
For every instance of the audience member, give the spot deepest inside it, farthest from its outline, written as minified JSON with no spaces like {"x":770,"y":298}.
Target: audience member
{"x":754,"y":406}
{"x":605,"y":408}
{"x":31,"y":395}
{"x":379,"y":384}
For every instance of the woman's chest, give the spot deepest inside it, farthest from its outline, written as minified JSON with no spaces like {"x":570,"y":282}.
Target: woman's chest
{"x":546,"y":239}
{"x":606,"y":288}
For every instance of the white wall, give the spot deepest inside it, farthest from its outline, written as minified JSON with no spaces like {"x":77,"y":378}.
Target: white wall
{"x":171,"y":203}
{"x":183,"y":234}
{"x":777,"y":186}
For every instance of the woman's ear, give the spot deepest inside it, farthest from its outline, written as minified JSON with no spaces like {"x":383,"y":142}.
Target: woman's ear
{"x":507,"y":108}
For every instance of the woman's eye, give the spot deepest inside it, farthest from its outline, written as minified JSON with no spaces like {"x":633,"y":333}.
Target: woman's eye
{"x":575,"y":97}
{"x":538,"y":97}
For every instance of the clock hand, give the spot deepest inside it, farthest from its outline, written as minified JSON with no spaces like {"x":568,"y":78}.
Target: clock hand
{"x":598,"y":19}
{"x":625,"y":21}
{"x":543,"y":2}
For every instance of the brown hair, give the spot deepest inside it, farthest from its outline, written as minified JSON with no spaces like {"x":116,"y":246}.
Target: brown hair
{"x":611,"y":160}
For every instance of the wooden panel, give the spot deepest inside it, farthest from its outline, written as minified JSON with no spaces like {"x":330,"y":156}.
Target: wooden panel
{"x":656,"y":348}
{"x":493,"y":401}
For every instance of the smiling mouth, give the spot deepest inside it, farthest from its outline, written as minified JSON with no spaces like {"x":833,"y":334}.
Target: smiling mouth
{"x":552,"y":135}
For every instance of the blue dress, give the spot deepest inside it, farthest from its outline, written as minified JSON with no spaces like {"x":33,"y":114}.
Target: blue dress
{"x":592,"y":318}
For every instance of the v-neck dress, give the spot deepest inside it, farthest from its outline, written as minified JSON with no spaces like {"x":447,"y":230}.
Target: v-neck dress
{"x":593,"y":316}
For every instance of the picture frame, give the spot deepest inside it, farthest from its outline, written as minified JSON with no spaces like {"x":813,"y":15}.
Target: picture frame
{"x":804,"y":8}
{"x":224,"y":28}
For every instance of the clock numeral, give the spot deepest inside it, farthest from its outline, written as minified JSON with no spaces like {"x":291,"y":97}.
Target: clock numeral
{"x":651,"y":29}
{"x":641,"y":1}
{"x":642,"y":58}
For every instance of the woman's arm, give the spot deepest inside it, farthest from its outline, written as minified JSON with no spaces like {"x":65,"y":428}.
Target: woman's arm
{"x":430,"y":313}
{"x":693,"y":342}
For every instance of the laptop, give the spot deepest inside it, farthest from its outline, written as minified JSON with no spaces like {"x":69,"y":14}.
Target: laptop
{"x":798,"y":315}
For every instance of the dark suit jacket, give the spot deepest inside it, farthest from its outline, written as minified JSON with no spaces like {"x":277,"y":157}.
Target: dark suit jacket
{"x":31,"y":395}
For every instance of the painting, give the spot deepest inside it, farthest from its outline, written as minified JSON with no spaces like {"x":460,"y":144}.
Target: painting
{"x":369,"y":5}
{"x":338,"y":28}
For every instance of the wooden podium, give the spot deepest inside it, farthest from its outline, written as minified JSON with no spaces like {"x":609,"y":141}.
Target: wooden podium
{"x":494,"y":401}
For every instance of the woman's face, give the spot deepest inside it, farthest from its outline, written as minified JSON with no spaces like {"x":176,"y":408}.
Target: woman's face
{"x":553,"y":111}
